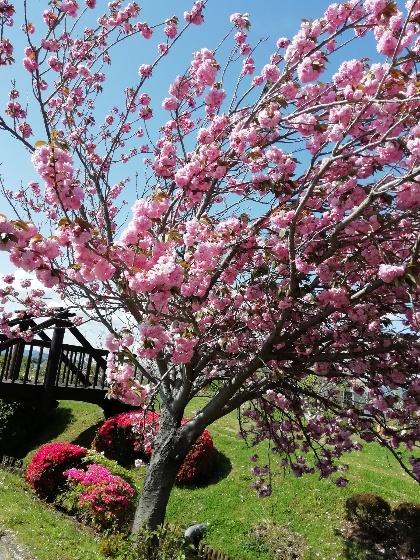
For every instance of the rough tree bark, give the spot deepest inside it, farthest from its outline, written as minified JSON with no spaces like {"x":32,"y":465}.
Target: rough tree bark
{"x":171,"y":446}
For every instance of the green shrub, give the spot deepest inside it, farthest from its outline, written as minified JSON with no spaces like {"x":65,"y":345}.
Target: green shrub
{"x":112,"y":546}
{"x":276,"y":541}
{"x":166,"y":543}
{"x":18,"y":422}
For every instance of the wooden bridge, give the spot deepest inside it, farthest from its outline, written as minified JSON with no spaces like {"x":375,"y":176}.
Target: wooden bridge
{"x":46,"y":370}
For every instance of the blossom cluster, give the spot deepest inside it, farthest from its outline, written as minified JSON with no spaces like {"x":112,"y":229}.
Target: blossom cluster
{"x":55,"y":166}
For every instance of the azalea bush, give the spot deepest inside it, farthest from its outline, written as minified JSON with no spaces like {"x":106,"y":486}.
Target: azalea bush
{"x":94,"y":457}
{"x":45,"y":472}
{"x":117,"y":439}
{"x":199,"y":459}
{"x":95,"y":489}
{"x":99,"y":498}
{"x":129,"y":436}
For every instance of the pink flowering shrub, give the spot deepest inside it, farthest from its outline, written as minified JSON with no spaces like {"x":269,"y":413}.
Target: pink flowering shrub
{"x":129,"y":436}
{"x":100,"y":498}
{"x":45,"y":471}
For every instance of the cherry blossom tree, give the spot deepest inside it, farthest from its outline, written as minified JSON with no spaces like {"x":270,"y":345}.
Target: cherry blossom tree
{"x":274,"y":237}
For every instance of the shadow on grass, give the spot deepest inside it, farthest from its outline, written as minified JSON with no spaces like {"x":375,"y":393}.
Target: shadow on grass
{"x":86,"y":437}
{"x":362,"y":550}
{"x":31,"y":429}
{"x":220,"y":469}
{"x":53,"y":424}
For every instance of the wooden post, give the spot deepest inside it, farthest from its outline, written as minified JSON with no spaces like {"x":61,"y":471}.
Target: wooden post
{"x":52,"y":365}
{"x":16,"y":360}
{"x":17,"y":355}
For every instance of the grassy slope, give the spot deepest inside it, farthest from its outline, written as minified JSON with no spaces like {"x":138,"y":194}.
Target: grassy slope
{"x":45,"y":531}
{"x":311,"y":507}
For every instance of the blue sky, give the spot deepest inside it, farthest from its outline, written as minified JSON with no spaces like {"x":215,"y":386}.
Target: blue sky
{"x":270,"y":19}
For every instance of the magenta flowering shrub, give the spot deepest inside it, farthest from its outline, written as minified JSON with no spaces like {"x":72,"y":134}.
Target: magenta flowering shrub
{"x":45,"y":471}
{"x":130,"y":435}
{"x":97,"y":496}
{"x":100,"y":499}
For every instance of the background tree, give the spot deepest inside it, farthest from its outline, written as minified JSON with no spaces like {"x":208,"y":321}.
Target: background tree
{"x":273,"y":241}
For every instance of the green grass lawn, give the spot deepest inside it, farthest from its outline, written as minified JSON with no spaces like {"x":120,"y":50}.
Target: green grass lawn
{"x":311,"y":508}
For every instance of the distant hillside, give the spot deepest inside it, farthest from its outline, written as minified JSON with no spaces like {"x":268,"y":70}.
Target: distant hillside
{"x":35,"y":353}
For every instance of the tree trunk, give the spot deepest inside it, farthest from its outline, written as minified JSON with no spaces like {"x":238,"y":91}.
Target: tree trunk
{"x":171,"y":446}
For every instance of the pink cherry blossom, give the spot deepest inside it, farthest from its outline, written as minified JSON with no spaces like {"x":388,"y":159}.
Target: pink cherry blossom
{"x":270,"y":72}
{"x":257,"y":247}
{"x":388,"y":272}
{"x":145,"y":70}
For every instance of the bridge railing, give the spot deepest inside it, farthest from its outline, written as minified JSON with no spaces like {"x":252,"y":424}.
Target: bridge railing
{"x":26,"y":363}
{"x":79,"y":367}
{"x":45,"y":370}
{"x":23,"y":362}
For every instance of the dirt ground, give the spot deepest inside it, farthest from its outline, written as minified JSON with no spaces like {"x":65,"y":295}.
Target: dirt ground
{"x":10,"y":549}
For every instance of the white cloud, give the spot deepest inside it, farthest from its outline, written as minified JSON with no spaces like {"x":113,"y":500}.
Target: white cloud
{"x":93,"y":331}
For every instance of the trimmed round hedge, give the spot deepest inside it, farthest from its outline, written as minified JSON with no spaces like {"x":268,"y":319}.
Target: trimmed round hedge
{"x":129,"y":436}
{"x":45,"y":471}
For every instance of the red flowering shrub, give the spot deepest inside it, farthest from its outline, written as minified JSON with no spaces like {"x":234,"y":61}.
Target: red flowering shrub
{"x":45,"y":471}
{"x":101,"y":499}
{"x":129,"y":436}
{"x":117,"y":439}
{"x":198,"y":461}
